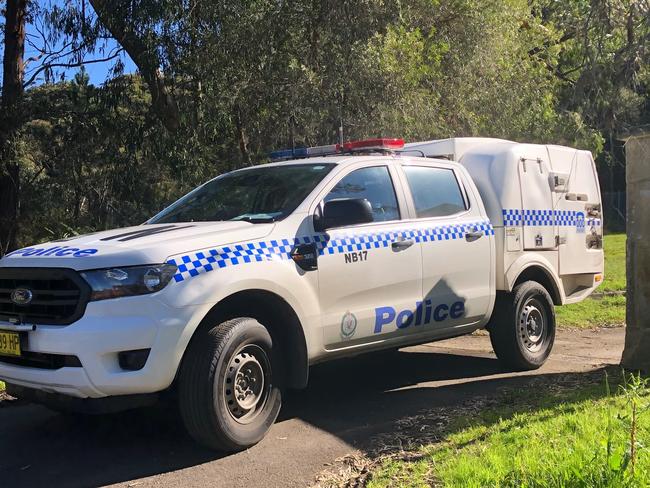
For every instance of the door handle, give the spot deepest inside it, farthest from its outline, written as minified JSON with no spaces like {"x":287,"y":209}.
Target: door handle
{"x":473,"y":235}
{"x":401,"y":244}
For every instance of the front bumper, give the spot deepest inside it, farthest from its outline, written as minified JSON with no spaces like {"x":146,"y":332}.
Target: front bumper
{"x":88,"y":406}
{"x":107,"y":328}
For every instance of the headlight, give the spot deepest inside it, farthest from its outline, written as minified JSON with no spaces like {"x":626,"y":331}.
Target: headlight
{"x":128,"y":281}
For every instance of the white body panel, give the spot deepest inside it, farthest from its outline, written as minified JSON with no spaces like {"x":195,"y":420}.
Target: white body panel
{"x":544,"y":203}
{"x":441,"y":285}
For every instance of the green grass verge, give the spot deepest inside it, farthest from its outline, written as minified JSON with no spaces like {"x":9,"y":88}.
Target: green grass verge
{"x":607,"y":311}
{"x":614,"y":263}
{"x":571,"y":437}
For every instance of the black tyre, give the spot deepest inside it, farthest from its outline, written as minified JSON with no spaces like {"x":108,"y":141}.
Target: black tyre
{"x":228,"y":396}
{"x":522,"y":327}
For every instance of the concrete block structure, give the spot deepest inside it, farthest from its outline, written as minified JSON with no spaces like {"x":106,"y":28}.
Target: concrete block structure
{"x":637,"y":342}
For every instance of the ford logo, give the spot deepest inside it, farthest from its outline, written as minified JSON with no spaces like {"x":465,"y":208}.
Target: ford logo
{"x":22,"y":296}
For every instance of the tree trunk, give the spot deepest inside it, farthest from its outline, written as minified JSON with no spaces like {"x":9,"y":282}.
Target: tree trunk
{"x":242,"y":138}
{"x":10,"y":119}
{"x":146,"y":59}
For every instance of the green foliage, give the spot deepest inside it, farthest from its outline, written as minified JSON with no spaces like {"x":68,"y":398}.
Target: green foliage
{"x":90,"y":159}
{"x":249,"y":77}
{"x":603,"y":60}
{"x":554,"y":438}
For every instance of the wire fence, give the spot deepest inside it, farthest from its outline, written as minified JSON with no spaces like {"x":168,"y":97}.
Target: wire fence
{"x":614,"y":211}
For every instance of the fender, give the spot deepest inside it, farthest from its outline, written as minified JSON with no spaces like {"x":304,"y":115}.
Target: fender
{"x":528,"y":260}
{"x":208,"y":290}
{"x":306,"y":306}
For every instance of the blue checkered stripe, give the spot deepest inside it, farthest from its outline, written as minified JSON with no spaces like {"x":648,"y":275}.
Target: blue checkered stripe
{"x":361,"y":242}
{"x":450,"y":232}
{"x":539,"y":217}
{"x":562,"y":218}
{"x":566,"y":217}
{"x":193,"y":264}
{"x":512,"y":216}
{"x":594,"y":223}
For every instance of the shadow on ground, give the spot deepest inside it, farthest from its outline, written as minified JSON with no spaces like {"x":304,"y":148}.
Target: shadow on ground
{"x":352,"y":399}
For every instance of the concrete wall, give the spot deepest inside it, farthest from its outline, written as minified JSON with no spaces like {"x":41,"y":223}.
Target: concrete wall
{"x":637,"y":341}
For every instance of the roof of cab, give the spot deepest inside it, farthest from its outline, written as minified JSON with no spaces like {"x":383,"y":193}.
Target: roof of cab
{"x":348,"y":159}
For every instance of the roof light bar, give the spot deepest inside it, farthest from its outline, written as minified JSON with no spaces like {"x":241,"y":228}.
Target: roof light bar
{"x":378,"y":144}
{"x":298,"y":152}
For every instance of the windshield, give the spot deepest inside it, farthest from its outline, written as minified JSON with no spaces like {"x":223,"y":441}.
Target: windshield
{"x":256,"y":195}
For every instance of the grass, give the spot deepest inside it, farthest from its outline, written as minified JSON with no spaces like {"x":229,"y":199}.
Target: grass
{"x":556,"y":437}
{"x":614,"y":263}
{"x":606,"y":311}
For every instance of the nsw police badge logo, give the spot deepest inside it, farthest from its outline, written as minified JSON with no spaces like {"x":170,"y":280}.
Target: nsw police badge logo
{"x":348,"y":325}
{"x":580,"y":223}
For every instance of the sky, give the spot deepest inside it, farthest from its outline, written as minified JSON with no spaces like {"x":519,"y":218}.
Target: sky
{"x":97,"y":72}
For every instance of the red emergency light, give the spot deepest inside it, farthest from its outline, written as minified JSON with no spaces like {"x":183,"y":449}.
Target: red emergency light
{"x":381,"y":144}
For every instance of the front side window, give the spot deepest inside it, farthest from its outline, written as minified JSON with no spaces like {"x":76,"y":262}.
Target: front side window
{"x":256,"y":195}
{"x":435,"y":191}
{"x":373,"y":184}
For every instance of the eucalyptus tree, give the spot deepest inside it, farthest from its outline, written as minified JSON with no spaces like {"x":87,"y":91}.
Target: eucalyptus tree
{"x":12,"y":90}
{"x":220,"y":83}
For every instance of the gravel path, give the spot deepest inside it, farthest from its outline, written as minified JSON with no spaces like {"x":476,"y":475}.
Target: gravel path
{"x":346,"y":403}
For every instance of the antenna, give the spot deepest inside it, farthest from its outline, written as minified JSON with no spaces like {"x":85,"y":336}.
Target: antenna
{"x":340,"y":127}
{"x":292,"y":139}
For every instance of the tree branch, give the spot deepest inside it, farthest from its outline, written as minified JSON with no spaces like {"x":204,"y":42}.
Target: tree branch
{"x":566,"y":37}
{"x":144,"y":56}
{"x":70,"y":65}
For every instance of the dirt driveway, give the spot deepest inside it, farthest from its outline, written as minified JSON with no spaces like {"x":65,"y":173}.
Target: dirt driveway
{"x":346,"y":403}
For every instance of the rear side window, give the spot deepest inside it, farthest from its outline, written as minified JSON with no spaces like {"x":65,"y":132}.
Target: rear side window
{"x":435,"y":191}
{"x":375,"y":185}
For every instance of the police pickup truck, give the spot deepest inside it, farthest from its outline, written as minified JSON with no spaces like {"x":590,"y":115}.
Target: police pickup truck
{"x":229,"y":295}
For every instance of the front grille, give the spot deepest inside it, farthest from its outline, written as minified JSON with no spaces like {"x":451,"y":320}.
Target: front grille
{"x":59,"y":296}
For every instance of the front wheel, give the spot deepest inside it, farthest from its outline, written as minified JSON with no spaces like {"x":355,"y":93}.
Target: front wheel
{"x":522,"y":328}
{"x":228,"y":395}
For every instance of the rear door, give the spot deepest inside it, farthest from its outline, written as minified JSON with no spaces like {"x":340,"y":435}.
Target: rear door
{"x":456,"y":238}
{"x":578,"y":210}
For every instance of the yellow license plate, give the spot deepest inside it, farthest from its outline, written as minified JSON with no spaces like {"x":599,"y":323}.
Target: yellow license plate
{"x":9,"y":344}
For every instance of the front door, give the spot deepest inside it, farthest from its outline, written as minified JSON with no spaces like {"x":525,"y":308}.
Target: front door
{"x":369,"y":275}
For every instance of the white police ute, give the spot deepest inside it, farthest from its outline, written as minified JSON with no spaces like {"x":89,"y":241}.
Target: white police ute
{"x":228,"y":296}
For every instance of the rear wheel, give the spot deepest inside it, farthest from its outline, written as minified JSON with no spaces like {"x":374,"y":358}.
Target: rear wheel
{"x":522,"y":328}
{"x":228,"y":395}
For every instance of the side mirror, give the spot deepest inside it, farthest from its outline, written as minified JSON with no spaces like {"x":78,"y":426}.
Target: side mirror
{"x":344,"y":212}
